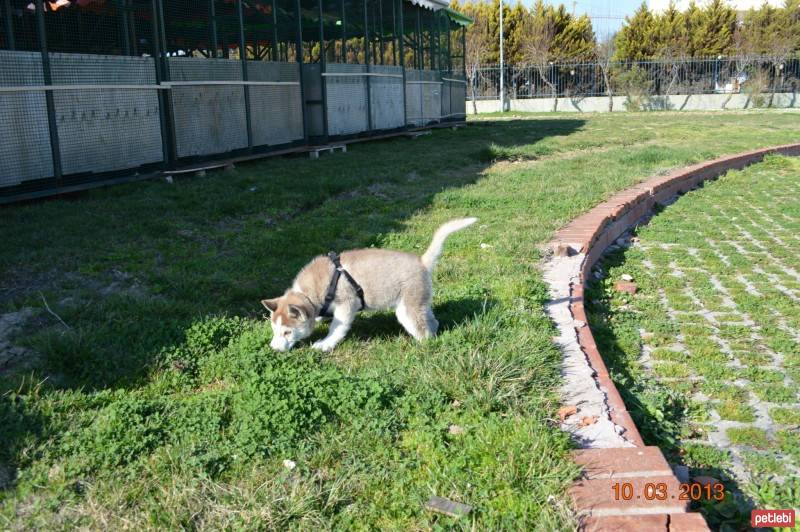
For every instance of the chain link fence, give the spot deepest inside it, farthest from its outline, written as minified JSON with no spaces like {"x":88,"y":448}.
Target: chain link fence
{"x":663,"y":77}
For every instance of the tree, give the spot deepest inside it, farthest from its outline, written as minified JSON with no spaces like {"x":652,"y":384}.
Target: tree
{"x":744,"y":53}
{"x":757,"y":29}
{"x":715,"y":34}
{"x":514,"y":21}
{"x":477,"y":42}
{"x":636,"y":40}
{"x":539,"y":36}
{"x":575,"y":39}
{"x":672,"y":45}
{"x":670,"y":32}
{"x":780,"y":48}
{"x":792,"y":13}
{"x":493,"y":16}
{"x":768,"y":31}
{"x":604,"y":55}
{"x":693,"y":22}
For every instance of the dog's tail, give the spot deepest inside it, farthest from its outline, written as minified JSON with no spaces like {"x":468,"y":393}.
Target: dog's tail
{"x":434,"y":251}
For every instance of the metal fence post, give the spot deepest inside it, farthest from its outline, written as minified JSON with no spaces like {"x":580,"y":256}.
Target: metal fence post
{"x":123,"y":9}
{"x":274,"y":52}
{"x":464,"y":51}
{"x":212,"y":12}
{"x":344,"y":34}
{"x":395,"y":61}
{"x":9,"y":24}
{"x":298,"y":43}
{"x":168,"y":139}
{"x":419,"y":60}
{"x":322,"y":64}
{"x":366,"y":60}
{"x":52,"y":125}
{"x":380,"y":33}
{"x":399,"y":5}
{"x":243,"y":57}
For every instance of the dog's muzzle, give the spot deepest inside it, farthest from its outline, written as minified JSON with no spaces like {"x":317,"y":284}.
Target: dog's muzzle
{"x":281,"y":344}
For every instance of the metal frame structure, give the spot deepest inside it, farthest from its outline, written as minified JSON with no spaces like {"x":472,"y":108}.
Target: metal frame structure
{"x":94,"y":91}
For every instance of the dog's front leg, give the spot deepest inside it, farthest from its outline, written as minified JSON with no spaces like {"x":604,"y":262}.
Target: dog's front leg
{"x":342,"y":320}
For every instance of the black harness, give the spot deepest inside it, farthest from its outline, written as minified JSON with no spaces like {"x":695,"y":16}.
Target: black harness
{"x":338,"y":271}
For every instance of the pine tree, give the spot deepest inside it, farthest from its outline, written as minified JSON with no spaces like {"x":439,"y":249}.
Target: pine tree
{"x":576,"y":39}
{"x":672,"y":39}
{"x":493,"y":16}
{"x":693,"y":22}
{"x":791,"y":9}
{"x":514,"y":21}
{"x":759,"y":28}
{"x":716,"y":31}
{"x":636,"y":40}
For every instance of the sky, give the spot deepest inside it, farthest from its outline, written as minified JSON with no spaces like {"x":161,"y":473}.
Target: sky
{"x":607,"y":15}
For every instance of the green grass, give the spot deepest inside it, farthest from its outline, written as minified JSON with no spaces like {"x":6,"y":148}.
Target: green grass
{"x":734,"y":240}
{"x":162,"y":406}
{"x":748,"y":436}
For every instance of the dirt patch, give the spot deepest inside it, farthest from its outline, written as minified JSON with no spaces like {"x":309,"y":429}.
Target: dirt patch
{"x":69,"y":285}
{"x":13,"y":356}
{"x":6,"y":476}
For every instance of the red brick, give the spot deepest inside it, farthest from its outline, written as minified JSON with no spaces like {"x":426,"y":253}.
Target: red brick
{"x":624,"y":420}
{"x":622,"y":462}
{"x":625,"y":286}
{"x":613,"y":397}
{"x":596,"y":497}
{"x":577,"y":293}
{"x":621,"y":523}
{"x":688,"y":522}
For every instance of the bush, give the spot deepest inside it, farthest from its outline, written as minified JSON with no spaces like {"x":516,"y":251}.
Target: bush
{"x":756,"y":86}
{"x":636,"y":86}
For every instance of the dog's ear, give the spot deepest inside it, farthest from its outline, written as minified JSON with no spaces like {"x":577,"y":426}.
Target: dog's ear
{"x":270,"y":304}
{"x":297,"y":312}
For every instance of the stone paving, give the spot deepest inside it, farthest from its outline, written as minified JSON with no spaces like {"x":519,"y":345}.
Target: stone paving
{"x":714,"y":326}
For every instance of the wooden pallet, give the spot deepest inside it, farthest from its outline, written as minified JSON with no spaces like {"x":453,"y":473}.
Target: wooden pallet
{"x":315,"y":151}
{"x":417,"y":134}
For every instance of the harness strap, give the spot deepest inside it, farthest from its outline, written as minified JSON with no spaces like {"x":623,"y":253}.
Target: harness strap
{"x":338,"y":271}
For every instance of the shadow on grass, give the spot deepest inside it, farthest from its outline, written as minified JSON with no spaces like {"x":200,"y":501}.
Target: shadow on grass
{"x":450,"y":315}
{"x":215,"y":245}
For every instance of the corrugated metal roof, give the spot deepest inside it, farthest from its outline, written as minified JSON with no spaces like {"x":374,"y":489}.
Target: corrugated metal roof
{"x":459,"y":18}
{"x":434,"y":5}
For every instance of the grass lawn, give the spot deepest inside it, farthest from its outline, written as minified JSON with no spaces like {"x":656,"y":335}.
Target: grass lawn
{"x":708,"y":350}
{"x":158,"y":403}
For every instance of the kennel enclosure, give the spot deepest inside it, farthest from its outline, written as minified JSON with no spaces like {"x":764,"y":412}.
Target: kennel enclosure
{"x":97,"y":90}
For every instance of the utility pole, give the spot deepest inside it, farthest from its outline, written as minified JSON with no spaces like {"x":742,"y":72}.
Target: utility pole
{"x":502,"y":64}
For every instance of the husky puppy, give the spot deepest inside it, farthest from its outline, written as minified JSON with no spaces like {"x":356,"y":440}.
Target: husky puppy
{"x":375,"y":279}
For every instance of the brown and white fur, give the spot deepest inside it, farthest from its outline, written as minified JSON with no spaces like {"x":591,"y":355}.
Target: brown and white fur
{"x":390,"y":280}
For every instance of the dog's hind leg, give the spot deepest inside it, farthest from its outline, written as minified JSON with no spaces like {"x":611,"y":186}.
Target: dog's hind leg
{"x":417,"y":319}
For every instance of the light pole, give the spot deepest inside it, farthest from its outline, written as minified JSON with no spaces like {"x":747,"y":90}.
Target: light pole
{"x":502,"y":64}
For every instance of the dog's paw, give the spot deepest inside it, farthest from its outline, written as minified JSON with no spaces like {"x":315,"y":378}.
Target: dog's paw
{"x":322,"y":345}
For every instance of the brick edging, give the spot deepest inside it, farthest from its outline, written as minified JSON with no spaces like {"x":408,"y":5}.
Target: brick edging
{"x":590,"y":234}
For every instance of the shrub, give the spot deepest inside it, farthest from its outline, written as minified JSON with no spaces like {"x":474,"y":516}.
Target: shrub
{"x":636,"y":86}
{"x":756,"y":85}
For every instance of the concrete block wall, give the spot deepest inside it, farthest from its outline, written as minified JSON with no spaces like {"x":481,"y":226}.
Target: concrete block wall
{"x":599,"y":104}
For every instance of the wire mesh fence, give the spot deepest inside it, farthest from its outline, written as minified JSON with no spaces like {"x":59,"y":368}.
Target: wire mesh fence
{"x":94,"y":89}
{"x":659,"y":77}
